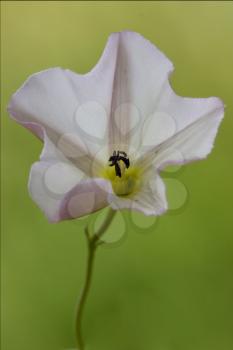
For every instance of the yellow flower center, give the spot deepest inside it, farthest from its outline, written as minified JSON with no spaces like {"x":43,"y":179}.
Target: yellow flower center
{"x":128,"y":183}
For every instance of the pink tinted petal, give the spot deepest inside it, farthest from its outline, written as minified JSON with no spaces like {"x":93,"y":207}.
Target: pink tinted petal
{"x":47,"y":203}
{"x":85,"y":198}
{"x":55,"y":183}
{"x":75,"y":200}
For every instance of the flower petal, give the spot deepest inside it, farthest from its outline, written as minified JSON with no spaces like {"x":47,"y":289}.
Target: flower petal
{"x":197,"y":122}
{"x":61,"y":190}
{"x":46,"y":98}
{"x":87,"y":197}
{"x":56,"y":100}
{"x":141,"y":70}
{"x":116,"y":96}
{"x":151,"y":200}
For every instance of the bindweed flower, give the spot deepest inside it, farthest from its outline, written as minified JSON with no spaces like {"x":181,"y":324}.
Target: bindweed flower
{"x":108,"y":133}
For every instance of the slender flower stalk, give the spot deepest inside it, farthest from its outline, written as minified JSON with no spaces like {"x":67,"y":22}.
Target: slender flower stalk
{"x":92,"y":243}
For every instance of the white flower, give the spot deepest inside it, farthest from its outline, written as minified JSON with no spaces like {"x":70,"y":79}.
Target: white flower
{"x":124,"y":108}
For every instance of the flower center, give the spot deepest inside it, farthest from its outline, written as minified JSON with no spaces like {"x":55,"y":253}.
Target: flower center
{"x":120,"y":161}
{"x":125,"y":177}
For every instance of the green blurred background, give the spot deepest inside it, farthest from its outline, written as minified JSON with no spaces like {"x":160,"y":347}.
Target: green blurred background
{"x":170,"y":289}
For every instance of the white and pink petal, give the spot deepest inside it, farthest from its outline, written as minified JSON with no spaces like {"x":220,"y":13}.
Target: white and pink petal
{"x":194,"y":136}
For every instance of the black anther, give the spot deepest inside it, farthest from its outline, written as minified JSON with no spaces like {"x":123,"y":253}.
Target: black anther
{"x":115,"y":158}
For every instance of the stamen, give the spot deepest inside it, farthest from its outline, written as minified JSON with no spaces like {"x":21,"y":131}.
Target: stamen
{"x":120,"y":160}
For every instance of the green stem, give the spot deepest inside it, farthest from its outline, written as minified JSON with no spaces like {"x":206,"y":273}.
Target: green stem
{"x":93,"y":242}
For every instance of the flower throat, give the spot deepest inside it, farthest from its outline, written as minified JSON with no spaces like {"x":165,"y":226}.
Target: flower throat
{"x":125,"y":177}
